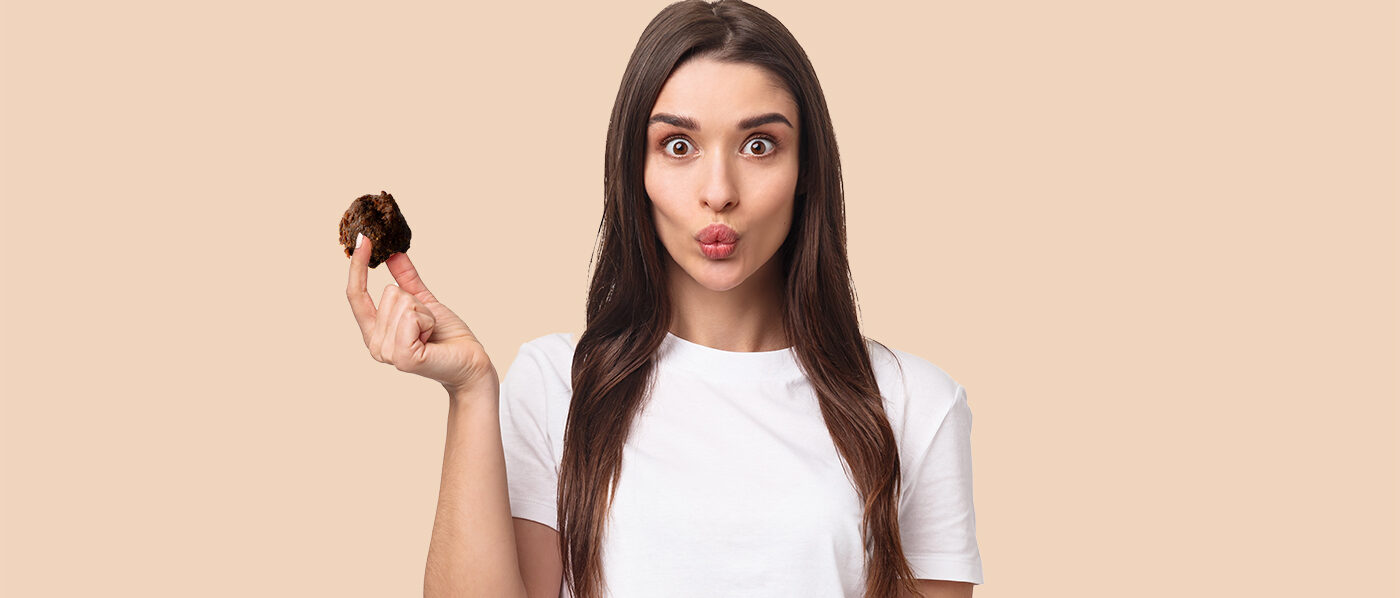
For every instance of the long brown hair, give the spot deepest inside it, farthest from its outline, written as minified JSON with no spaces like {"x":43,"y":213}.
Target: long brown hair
{"x":629,"y":310}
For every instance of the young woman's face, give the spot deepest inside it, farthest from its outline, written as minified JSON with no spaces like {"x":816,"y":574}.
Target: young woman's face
{"x":716,"y":153}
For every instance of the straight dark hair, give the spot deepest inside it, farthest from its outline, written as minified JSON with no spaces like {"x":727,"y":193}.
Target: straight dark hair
{"x":629,"y":310}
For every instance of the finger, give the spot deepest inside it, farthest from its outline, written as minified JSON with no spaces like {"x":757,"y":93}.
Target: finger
{"x":408,"y":341}
{"x":360,"y":302}
{"x":412,"y":322}
{"x":383,"y":322}
{"x":426,"y":323}
{"x":407,"y":276}
{"x":393,"y":320}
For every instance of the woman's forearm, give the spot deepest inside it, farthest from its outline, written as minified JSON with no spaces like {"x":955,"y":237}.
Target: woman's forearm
{"x":472,"y":551}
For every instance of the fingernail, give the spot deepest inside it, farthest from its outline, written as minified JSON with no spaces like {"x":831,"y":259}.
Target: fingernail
{"x":359,"y":238}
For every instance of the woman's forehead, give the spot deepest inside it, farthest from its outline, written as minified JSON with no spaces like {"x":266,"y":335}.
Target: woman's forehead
{"x":713,"y":93}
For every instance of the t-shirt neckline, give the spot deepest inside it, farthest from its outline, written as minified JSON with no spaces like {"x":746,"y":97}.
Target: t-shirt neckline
{"x":695,"y":357}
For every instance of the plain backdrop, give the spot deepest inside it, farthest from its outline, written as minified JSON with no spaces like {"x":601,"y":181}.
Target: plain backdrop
{"x":1156,"y":242}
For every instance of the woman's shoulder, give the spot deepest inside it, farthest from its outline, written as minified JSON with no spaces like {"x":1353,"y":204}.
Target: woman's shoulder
{"x":551,"y":355}
{"x":910,"y":383}
{"x":553,"y":343}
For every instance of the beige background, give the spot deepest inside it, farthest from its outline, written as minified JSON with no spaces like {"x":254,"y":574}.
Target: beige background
{"x":1157,"y":242}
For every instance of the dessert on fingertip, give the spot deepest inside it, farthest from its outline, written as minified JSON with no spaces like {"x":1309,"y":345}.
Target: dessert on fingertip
{"x":379,"y":219}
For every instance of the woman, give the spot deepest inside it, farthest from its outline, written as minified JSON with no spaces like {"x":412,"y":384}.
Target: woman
{"x":721,"y":427}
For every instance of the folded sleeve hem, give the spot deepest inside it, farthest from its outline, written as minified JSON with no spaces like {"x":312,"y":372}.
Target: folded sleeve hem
{"x":944,"y":568}
{"x":534,"y":510}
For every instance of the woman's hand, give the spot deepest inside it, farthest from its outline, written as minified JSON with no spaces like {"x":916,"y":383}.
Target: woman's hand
{"x":412,"y":330}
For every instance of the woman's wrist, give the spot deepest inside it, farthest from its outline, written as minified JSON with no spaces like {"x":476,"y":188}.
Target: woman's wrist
{"x":481,"y":392}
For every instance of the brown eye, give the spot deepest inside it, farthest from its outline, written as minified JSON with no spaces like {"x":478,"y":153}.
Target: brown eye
{"x":677,"y":145}
{"x":757,"y":146}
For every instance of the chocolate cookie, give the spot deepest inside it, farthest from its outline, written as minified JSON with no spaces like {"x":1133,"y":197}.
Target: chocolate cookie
{"x":379,"y":218}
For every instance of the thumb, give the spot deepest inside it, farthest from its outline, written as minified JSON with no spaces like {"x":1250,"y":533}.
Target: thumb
{"x":413,"y":333}
{"x":426,"y":324}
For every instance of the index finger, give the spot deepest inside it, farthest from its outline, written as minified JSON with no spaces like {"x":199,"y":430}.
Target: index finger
{"x":360,"y":301}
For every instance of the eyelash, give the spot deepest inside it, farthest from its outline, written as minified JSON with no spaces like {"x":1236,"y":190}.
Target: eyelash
{"x":667,"y":141}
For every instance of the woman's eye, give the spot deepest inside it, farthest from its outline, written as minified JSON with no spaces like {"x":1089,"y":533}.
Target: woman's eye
{"x":677,"y":145}
{"x":760,"y":146}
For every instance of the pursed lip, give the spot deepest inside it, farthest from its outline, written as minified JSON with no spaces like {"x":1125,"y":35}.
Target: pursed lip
{"x":717,"y":233}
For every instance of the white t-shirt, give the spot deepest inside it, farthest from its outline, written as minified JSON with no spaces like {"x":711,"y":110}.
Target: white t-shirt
{"x":730,"y":482}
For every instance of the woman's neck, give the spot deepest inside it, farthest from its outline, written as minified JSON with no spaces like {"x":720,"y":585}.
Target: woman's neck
{"x":745,"y":318}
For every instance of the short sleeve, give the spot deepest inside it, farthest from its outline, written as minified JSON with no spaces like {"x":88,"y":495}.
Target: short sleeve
{"x":937,"y":522}
{"x":531,"y":474}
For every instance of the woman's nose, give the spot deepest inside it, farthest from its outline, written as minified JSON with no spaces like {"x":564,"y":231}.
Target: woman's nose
{"x":720,"y":191}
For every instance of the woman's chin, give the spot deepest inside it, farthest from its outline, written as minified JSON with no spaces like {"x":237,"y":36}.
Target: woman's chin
{"x":718,"y":275}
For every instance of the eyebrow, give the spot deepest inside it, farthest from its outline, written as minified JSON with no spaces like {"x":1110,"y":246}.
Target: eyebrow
{"x":686,"y":122}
